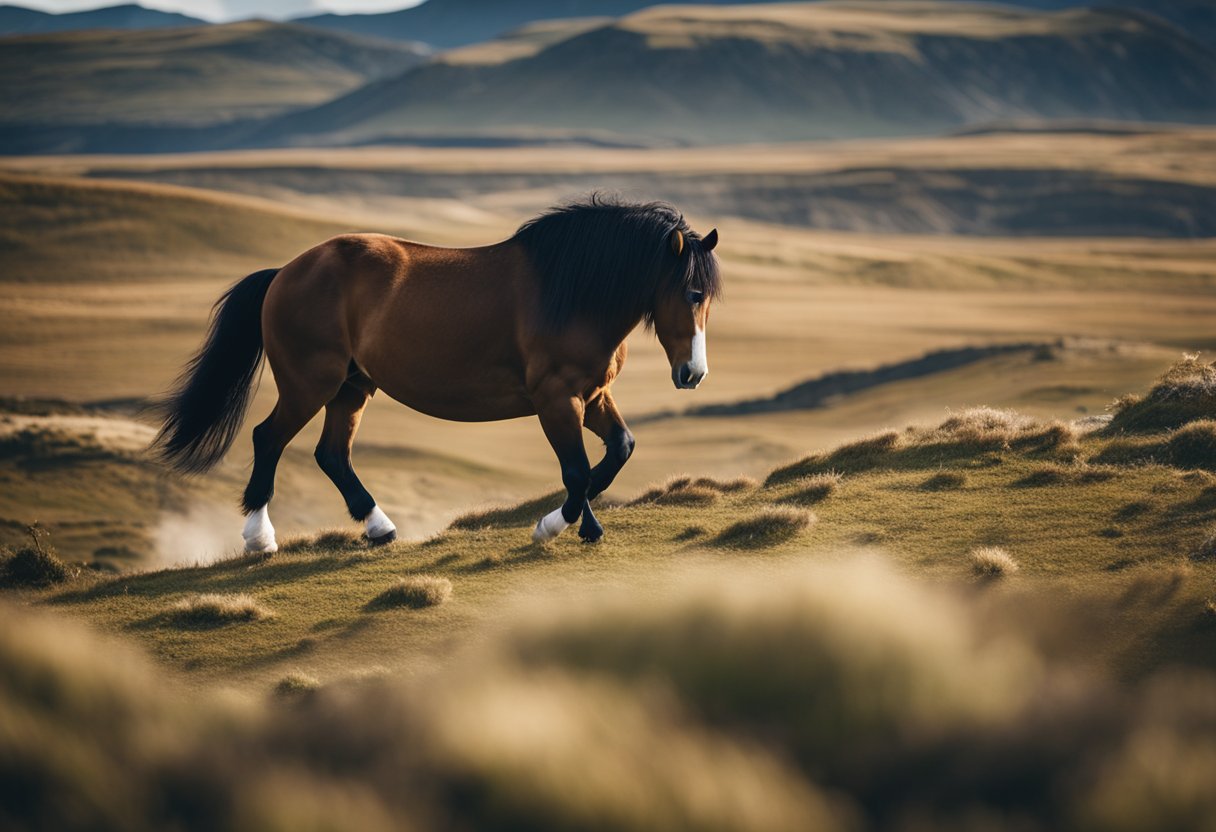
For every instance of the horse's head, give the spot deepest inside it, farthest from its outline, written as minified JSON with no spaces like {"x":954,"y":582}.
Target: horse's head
{"x":681,"y":310}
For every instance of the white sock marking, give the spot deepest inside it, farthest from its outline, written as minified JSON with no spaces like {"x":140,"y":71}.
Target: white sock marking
{"x":550,"y":526}
{"x":378,"y":524}
{"x":258,"y":533}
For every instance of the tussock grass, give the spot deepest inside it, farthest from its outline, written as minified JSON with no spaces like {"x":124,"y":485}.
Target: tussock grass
{"x":1193,"y":446}
{"x":415,"y":592}
{"x":508,"y":516}
{"x":34,"y":566}
{"x":295,"y":685}
{"x":691,"y":533}
{"x":767,"y":528}
{"x":814,"y":489}
{"x":1206,"y":550}
{"x":945,"y":481}
{"x":1043,"y":476}
{"x":1186,"y":392}
{"x":213,"y":610}
{"x":731,"y":486}
{"x":693,"y":495}
{"x":968,"y":435}
{"x":683,"y":490}
{"x":329,"y":540}
{"x":992,"y":562}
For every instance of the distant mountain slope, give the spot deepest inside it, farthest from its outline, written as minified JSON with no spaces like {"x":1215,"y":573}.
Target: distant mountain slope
{"x":1196,"y":17}
{"x":447,"y":23}
{"x":188,"y":76}
{"x":18,"y":20}
{"x":706,"y":74}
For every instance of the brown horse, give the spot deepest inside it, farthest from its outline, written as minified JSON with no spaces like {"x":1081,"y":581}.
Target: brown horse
{"x":532,"y":325}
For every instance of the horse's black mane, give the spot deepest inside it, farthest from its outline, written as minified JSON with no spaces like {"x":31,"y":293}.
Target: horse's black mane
{"x":604,"y":258}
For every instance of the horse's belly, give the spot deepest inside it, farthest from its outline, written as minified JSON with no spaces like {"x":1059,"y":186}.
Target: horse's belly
{"x":487,"y":396}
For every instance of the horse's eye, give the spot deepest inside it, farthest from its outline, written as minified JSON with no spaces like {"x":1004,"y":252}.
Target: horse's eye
{"x":694,"y":297}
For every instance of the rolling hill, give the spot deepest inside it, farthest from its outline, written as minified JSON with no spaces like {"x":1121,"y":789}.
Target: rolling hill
{"x":180,"y":78}
{"x":447,"y":23}
{"x":712,"y":74}
{"x":18,"y":20}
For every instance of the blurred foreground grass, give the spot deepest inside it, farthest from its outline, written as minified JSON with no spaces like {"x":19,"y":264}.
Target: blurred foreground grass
{"x":727,"y":658}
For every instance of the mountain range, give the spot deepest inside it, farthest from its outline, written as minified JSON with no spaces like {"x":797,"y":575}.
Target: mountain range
{"x":58,"y":90}
{"x":18,"y":20}
{"x":448,"y":23}
{"x":669,"y":75}
{"x":793,"y":71}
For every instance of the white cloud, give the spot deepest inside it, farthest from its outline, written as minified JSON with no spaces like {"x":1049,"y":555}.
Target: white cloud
{"x":219,"y":10}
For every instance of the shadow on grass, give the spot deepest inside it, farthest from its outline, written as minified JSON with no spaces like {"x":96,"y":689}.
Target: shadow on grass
{"x":218,"y":577}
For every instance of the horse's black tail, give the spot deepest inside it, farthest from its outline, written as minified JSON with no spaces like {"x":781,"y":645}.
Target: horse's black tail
{"x":205,"y":410}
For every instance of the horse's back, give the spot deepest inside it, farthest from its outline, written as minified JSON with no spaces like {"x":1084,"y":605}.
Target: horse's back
{"x":429,"y":325}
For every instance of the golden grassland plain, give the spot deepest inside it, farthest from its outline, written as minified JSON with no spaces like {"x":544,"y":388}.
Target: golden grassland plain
{"x":790,"y":613}
{"x":105,"y":285}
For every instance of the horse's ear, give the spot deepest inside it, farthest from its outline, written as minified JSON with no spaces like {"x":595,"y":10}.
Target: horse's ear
{"x":677,"y":242}
{"x":710,"y":240}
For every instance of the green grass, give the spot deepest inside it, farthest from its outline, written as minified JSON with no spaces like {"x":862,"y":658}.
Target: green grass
{"x":1032,"y":491}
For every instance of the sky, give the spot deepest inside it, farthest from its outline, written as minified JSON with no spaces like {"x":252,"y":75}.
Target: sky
{"x":218,"y":10}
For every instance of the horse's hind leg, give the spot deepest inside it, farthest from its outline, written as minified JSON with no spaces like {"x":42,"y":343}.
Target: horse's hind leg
{"x":301,"y":396}
{"x":342,"y":416}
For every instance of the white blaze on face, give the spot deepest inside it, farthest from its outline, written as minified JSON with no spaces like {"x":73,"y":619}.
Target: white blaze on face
{"x":699,"y":363}
{"x":258,"y":533}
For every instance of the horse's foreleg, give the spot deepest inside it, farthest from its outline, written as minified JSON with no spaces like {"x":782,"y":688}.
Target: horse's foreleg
{"x":605,"y":421}
{"x":342,"y":416}
{"x":561,"y":418}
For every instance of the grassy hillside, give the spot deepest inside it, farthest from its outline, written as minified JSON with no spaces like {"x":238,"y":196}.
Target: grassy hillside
{"x":768,"y":72}
{"x":69,"y":230}
{"x":1093,"y":509}
{"x":183,"y":77}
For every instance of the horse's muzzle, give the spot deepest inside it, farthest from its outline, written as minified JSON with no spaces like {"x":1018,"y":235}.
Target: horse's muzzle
{"x":687,"y":378}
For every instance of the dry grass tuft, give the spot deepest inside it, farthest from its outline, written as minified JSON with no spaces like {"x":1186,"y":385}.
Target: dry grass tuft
{"x":34,"y":566}
{"x":1185,"y":393}
{"x":944,"y":481}
{"x":211,"y":610}
{"x":691,"y":533}
{"x":986,"y":428}
{"x":680,"y":490}
{"x":814,"y":489}
{"x":693,"y":495}
{"x":730,"y":486}
{"x":330,"y":540}
{"x":415,"y":592}
{"x":768,"y":528}
{"x":296,"y":685}
{"x":1206,"y":550}
{"x":1209,"y":609}
{"x":992,"y":562}
{"x":1193,"y":446}
{"x":523,"y":514}
{"x":1044,"y":476}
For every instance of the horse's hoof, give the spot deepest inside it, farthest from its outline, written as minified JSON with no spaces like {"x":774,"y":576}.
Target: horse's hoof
{"x":384,"y":539}
{"x":260,"y":547}
{"x":591,"y":535}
